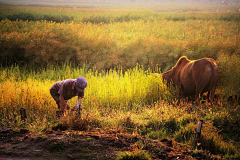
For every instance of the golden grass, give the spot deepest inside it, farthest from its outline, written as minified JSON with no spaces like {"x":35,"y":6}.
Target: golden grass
{"x":134,"y":101}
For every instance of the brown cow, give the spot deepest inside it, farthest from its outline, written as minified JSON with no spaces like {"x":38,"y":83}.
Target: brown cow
{"x":194,"y":77}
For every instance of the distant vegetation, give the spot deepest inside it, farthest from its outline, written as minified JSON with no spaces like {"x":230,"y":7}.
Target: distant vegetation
{"x":108,"y":39}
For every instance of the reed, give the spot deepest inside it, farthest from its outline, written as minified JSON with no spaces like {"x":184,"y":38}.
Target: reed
{"x":113,"y":89}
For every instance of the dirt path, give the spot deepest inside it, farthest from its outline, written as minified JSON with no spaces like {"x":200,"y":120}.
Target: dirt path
{"x":84,"y":145}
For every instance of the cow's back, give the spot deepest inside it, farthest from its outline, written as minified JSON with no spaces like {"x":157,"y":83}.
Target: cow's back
{"x":199,"y":76}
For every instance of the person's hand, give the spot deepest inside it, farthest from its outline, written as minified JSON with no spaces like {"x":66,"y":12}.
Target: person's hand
{"x":74,"y":108}
{"x":63,"y":107}
{"x":68,"y":107}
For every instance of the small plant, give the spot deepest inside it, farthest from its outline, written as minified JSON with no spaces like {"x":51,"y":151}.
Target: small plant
{"x":212,"y":141}
{"x":186,"y":134}
{"x":134,"y":155}
{"x":61,"y":125}
{"x":41,"y":138}
{"x":154,"y":135}
{"x":127,"y":122}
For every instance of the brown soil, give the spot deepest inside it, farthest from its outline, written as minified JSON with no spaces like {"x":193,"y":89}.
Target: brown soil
{"x":69,"y":144}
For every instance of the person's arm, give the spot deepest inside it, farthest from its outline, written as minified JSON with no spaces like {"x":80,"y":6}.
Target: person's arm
{"x":78,"y":103}
{"x":62,"y":103}
{"x":81,"y":95}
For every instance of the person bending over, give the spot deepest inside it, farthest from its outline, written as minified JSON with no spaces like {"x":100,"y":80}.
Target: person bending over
{"x":62,"y":91}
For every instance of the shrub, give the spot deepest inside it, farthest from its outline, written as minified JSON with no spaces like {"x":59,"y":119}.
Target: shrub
{"x":76,"y":122}
{"x":227,"y":122}
{"x":211,"y":140}
{"x":186,"y":134}
{"x":134,"y":155}
{"x":229,"y":74}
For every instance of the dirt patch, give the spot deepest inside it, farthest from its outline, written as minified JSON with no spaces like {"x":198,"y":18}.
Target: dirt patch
{"x":70,"y":144}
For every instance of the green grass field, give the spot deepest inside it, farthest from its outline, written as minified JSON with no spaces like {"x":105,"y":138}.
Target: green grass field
{"x":118,"y":51}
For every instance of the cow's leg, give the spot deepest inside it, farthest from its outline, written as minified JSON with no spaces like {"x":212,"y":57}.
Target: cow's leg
{"x":208,"y":95}
{"x":199,"y":90}
{"x":180,"y":91}
{"x":213,"y":87}
{"x":211,"y":94}
{"x":213,"y":83}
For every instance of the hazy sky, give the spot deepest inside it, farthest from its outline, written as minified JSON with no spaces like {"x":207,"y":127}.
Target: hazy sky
{"x":131,"y":1}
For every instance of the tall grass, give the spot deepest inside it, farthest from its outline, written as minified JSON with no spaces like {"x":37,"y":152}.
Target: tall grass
{"x":112,"y":90}
{"x":135,"y":101}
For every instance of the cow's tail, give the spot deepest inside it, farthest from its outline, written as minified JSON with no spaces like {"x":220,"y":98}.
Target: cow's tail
{"x":214,"y":79}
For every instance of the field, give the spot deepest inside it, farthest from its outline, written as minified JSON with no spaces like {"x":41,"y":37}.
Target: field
{"x":128,"y":112}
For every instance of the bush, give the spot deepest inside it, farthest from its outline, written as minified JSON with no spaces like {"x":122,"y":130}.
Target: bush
{"x":229,"y":74}
{"x":77,"y":123}
{"x":211,"y":140}
{"x":135,"y":155}
{"x":186,"y":134}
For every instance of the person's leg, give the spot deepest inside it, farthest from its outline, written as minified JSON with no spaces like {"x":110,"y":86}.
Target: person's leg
{"x":55,"y":96}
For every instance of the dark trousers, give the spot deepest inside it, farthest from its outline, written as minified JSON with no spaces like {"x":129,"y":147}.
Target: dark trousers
{"x":55,"y":96}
